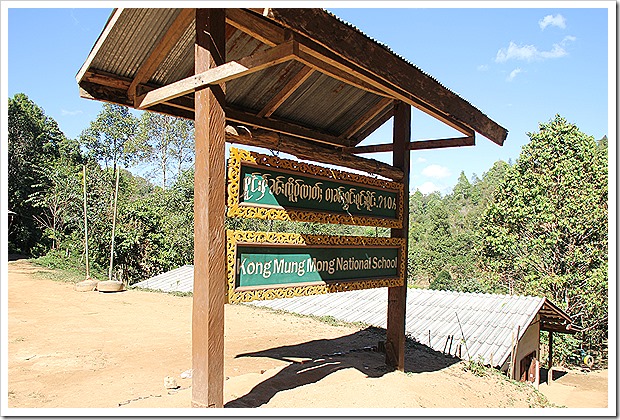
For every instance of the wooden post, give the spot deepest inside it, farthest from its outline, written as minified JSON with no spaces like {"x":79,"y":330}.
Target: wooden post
{"x":209,"y":216}
{"x":550,"y":369}
{"x":85,"y":226}
{"x":397,"y":296}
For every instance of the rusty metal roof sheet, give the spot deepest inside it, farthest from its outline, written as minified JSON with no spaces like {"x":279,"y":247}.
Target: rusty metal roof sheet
{"x":332,"y":101}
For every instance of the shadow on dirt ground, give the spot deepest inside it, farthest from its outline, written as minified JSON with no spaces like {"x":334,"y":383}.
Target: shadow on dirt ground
{"x":360,"y":350}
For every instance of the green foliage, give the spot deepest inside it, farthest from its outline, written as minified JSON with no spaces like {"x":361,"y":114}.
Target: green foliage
{"x":168,"y":144}
{"x":112,"y":137}
{"x":546,"y":231}
{"x":443,"y":281}
{"x":39,"y":157}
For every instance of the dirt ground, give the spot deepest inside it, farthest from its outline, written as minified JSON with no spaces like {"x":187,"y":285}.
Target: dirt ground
{"x":69,"y":349}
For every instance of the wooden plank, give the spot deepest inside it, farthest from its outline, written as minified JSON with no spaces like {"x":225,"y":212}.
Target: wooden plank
{"x":366,"y":118}
{"x":397,"y":296}
{"x":284,"y":127}
{"x":162,"y":49}
{"x":106,"y":79}
{"x":116,"y":14}
{"x":286,"y":91}
{"x":209,"y":211}
{"x":415,"y":145}
{"x":219,"y":74}
{"x":304,"y":149}
{"x":355,"y":47}
{"x":256,"y":26}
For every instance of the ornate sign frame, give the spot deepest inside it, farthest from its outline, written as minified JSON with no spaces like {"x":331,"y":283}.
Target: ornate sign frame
{"x":237,"y":209}
{"x":235,"y":237}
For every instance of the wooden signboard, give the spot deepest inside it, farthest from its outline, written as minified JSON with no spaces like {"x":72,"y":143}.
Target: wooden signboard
{"x":267,"y":187}
{"x":269,"y":265}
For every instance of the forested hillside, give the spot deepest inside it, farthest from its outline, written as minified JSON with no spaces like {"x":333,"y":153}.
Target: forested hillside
{"x":537,"y":226}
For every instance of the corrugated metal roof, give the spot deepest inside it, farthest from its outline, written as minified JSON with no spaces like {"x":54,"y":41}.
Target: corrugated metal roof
{"x":476,"y":325}
{"x":177,"y":280}
{"x":323,"y":103}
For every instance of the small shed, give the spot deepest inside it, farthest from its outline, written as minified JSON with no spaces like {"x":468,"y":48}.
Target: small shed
{"x":502,"y":331}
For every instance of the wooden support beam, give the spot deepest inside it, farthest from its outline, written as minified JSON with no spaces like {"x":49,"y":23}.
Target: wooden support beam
{"x":219,"y":74}
{"x":161,"y":50}
{"x":284,"y":127}
{"x":286,"y":91}
{"x":209,"y":211}
{"x":304,"y":149}
{"x":397,"y":296}
{"x":366,"y":118}
{"x":415,"y":145}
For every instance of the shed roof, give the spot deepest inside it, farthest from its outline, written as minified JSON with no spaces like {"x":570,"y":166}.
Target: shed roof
{"x":467,"y":325}
{"x":298,"y":72}
{"x":178,"y":280}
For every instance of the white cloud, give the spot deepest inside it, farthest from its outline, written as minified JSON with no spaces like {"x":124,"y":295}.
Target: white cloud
{"x":550,"y":20}
{"x":420,"y":160}
{"x":483,"y":67}
{"x":64,"y":112}
{"x":428,"y":187}
{"x":513,"y":74}
{"x":436,"y":171}
{"x":530,"y":52}
{"x":567,"y":39}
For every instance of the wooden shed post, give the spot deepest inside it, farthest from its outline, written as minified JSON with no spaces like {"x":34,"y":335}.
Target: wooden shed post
{"x":397,"y":296}
{"x":209,"y":217}
{"x":550,"y":369}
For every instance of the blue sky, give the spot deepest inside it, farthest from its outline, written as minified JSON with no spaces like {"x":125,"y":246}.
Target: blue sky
{"x":518,"y":65}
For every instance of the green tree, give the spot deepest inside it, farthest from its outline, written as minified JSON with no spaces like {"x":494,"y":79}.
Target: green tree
{"x":112,"y":137}
{"x":168,"y":143}
{"x":34,"y":143}
{"x":546,"y":231}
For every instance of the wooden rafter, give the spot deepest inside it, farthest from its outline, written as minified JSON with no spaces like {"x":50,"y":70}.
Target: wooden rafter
{"x":255,"y":26}
{"x":161,"y":50}
{"x":305,"y":149}
{"x":220,"y":74}
{"x":415,"y":145}
{"x":283,"y":127}
{"x":285,"y":92}
{"x":366,"y":118}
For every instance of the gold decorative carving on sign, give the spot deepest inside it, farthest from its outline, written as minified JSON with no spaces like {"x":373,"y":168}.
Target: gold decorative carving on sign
{"x":234,"y":237}
{"x":236,"y":209}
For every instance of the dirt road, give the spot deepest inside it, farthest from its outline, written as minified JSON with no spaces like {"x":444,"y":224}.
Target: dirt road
{"x":113,"y":350}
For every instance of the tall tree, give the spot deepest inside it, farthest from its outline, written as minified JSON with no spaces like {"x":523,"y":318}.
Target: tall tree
{"x":168,"y":143}
{"x":112,"y":137}
{"x":546,"y":231}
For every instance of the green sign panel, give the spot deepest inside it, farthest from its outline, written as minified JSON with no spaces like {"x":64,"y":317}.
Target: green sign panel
{"x":265,"y":265}
{"x":269,"y":187}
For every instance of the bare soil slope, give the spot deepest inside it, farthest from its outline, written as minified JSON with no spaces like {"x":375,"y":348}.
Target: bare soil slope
{"x":104,"y":350}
